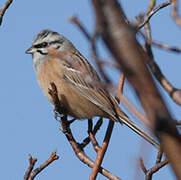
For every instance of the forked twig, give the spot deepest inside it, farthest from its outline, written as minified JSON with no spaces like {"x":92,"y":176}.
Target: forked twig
{"x":158,"y":165}
{"x":87,"y":140}
{"x":30,"y":175}
{"x":174,"y":93}
{"x":143,"y":19}
{"x":32,"y":162}
{"x":75,"y":146}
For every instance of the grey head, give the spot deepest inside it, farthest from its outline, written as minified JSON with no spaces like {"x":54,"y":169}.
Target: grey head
{"x":44,"y":41}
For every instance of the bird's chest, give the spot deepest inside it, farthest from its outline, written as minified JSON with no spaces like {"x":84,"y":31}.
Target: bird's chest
{"x":75,"y":104}
{"x":51,"y":71}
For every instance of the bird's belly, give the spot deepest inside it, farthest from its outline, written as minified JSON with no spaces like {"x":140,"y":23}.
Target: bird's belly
{"x":73,"y":102}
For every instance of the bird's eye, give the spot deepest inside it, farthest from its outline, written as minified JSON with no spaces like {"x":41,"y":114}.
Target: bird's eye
{"x":44,"y":44}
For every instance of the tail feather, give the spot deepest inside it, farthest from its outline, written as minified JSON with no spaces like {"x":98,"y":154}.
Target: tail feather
{"x":139,"y":131}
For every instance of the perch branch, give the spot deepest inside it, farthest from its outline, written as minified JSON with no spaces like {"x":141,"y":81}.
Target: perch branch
{"x":67,"y":131}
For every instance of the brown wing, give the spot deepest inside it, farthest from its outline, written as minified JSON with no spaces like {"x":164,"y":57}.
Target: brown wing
{"x":83,"y":78}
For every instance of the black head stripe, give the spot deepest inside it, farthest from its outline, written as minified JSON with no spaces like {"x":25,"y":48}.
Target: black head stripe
{"x":42,"y":53}
{"x":59,"y":41}
{"x":43,"y":34}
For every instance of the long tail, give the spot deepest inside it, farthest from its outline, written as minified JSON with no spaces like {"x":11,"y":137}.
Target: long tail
{"x":139,"y":131}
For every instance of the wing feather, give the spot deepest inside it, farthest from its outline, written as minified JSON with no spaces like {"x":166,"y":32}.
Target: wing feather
{"x":85,"y":80}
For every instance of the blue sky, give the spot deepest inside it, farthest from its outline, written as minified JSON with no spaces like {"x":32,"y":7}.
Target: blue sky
{"x":27,"y":123}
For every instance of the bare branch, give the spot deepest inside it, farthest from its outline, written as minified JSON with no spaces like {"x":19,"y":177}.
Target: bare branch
{"x":101,"y":152}
{"x":174,"y":93}
{"x":96,"y":58}
{"x":143,"y":19}
{"x":92,"y":39}
{"x":151,"y":5}
{"x":162,"y":45}
{"x":30,"y":175}
{"x":159,"y":156}
{"x":67,"y":131}
{"x":156,"y":168}
{"x":76,"y":21}
{"x":92,"y":137}
{"x":174,"y":13}
{"x":166,"y":47}
{"x":32,"y":162}
{"x":121,"y":41}
{"x":158,"y":165}
{"x":86,"y":141}
{"x":120,"y":87}
{"x":142,"y":165}
{"x":3,"y":10}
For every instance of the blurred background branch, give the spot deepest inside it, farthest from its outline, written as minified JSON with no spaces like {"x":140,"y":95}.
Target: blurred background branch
{"x":3,"y":10}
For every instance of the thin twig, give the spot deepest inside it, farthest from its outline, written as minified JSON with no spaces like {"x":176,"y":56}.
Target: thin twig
{"x":155,"y":168}
{"x":158,"y":165}
{"x":52,"y":158}
{"x":174,"y":93}
{"x":3,"y":10}
{"x":142,"y":165}
{"x":92,"y":39}
{"x":159,"y":156}
{"x":166,"y":47}
{"x":143,"y":19}
{"x":174,"y":13}
{"x":96,"y":58}
{"x":76,"y":21}
{"x":162,"y":45}
{"x":92,"y":137}
{"x":151,"y":5}
{"x":86,"y":141}
{"x":30,"y":175}
{"x":101,"y":152}
{"x":32,"y":162}
{"x":120,"y":86}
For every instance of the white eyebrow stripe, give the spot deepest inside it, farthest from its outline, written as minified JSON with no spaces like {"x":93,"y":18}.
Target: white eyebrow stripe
{"x":71,"y":69}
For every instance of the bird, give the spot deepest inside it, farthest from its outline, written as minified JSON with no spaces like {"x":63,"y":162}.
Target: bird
{"x":56,"y":60}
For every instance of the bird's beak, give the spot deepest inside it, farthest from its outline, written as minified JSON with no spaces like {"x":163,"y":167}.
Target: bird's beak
{"x":31,"y":50}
